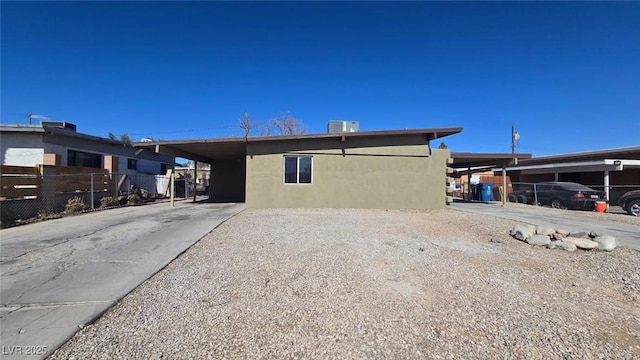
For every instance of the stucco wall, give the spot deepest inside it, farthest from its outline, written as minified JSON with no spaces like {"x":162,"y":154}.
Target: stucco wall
{"x":25,"y":150}
{"x":394,"y":173}
{"x":148,"y":161}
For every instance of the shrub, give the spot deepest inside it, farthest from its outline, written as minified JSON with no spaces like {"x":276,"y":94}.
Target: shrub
{"x":75,"y":205}
{"x":108,"y":201}
{"x":122,"y":200}
{"x":46,"y":214}
{"x":133,"y":199}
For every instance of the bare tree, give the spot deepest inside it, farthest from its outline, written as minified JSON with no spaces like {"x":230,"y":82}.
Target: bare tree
{"x":288,"y":125}
{"x":245,"y":124}
{"x":251,"y":127}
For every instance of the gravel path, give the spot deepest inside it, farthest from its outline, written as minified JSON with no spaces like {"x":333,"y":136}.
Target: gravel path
{"x":374,"y":284}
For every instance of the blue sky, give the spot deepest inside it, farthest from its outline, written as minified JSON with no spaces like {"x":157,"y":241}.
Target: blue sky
{"x":567,"y":74}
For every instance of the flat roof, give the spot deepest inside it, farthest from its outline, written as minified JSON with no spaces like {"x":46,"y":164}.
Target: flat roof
{"x":466,"y":160}
{"x":44,"y":129}
{"x":578,"y":166}
{"x":612,"y":153}
{"x":206,"y":150}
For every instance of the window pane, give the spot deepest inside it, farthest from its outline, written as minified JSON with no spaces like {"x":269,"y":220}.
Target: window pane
{"x":290,"y":170}
{"x":305,"y":170}
{"x":132,"y":164}
{"x":79,"y":158}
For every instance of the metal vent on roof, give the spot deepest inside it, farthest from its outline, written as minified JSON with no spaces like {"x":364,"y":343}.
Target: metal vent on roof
{"x":59,"y":124}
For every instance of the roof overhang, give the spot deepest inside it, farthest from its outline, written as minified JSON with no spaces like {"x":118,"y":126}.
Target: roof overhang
{"x":208,"y":150}
{"x":474,"y":162}
{"x":579,"y":166}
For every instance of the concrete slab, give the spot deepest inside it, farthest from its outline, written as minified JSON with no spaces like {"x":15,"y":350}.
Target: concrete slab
{"x":60,"y":275}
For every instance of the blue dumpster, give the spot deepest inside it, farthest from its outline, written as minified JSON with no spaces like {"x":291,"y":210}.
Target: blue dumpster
{"x":486,"y":192}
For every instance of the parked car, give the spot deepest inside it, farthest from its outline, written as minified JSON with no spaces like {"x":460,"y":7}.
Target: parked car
{"x":630,"y":202}
{"x":559,"y":195}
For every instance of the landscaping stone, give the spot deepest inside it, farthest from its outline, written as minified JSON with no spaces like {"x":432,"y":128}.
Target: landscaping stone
{"x":582,"y":235}
{"x":581,"y":243}
{"x":562,"y":239}
{"x":523,"y":231}
{"x":538,"y":240}
{"x":605,"y":242}
{"x":542,"y":230}
{"x":562,"y":246}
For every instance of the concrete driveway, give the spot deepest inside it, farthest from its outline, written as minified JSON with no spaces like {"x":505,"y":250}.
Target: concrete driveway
{"x":626,"y":234}
{"x":58,"y":275}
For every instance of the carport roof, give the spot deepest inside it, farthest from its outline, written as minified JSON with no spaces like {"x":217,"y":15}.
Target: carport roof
{"x":206,"y":150}
{"x":468,"y":160}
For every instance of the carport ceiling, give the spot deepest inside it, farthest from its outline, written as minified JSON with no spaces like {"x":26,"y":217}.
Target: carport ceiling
{"x":208,"y":150}
{"x":464,"y":161}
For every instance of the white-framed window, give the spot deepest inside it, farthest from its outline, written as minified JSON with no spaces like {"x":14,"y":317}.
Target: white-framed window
{"x":298,"y":169}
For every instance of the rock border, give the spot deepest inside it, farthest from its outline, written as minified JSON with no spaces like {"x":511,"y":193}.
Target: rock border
{"x":561,"y":239}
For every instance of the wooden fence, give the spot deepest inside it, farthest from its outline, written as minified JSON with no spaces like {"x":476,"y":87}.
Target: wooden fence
{"x":80,"y":179}
{"x":18,"y":182}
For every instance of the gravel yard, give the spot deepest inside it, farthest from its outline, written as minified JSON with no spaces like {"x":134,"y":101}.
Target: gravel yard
{"x":361,"y":284}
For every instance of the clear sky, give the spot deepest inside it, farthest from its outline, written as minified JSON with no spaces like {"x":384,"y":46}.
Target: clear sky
{"x":567,"y":74}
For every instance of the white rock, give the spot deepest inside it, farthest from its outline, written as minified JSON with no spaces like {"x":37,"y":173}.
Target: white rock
{"x":563,"y":232}
{"x":543,"y":230}
{"x":523,"y":231}
{"x":581,"y":243}
{"x":562,"y":246}
{"x":605,"y":242}
{"x":538,"y":240}
{"x":570,"y":247}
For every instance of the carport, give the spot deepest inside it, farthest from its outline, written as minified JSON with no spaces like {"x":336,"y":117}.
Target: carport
{"x":604,"y":166}
{"x":479,"y":162}
{"x":226,"y":156}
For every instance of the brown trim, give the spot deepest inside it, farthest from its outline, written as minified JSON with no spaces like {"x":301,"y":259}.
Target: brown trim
{"x":430,"y":133}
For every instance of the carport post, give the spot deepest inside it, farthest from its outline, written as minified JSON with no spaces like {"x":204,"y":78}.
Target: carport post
{"x":469,"y":184}
{"x":173,"y":181}
{"x":504,"y":186}
{"x":606,"y":186}
{"x":195,"y":178}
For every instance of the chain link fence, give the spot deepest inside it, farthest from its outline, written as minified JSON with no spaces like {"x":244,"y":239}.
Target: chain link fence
{"x":43,"y":191}
{"x":527,"y":192}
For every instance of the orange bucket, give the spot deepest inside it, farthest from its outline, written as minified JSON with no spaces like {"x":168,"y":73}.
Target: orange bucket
{"x":601,"y":206}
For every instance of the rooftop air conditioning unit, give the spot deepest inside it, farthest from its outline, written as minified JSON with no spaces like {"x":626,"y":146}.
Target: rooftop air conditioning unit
{"x":340,"y":126}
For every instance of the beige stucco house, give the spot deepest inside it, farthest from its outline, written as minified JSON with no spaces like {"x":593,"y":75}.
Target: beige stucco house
{"x":377,"y":169}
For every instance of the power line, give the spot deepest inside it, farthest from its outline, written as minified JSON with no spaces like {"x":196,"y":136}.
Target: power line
{"x":184,"y":131}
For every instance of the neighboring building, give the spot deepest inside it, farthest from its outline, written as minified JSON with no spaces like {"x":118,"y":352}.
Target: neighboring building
{"x":58,"y":143}
{"x":202,"y":178}
{"x":614,"y":170}
{"x":377,"y":169}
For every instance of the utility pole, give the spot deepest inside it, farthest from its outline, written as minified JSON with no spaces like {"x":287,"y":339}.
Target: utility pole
{"x":514,"y":136}
{"x":513,"y":139}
